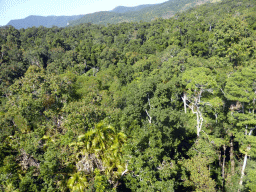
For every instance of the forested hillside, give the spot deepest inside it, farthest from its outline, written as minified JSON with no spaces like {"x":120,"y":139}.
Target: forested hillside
{"x":140,"y":13}
{"x":167,"y":105}
{"x":123,"y":9}
{"x":118,"y":15}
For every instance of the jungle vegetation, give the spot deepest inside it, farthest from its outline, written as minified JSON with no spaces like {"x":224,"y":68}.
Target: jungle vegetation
{"x":166,"y":105}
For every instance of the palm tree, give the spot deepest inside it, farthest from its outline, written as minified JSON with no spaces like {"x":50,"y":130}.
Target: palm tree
{"x":106,"y":144}
{"x":77,"y":183}
{"x":113,"y":159}
{"x":99,"y":139}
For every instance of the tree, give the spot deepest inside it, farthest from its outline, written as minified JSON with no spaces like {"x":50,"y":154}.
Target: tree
{"x":199,"y":175}
{"x":150,"y":169}
{"x":103,"y":145}
{"x":77,"y":182}
{"x":198,"y":82}
{"x":241,"y":88}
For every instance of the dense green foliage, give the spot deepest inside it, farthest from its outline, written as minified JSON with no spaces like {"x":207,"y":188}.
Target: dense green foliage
{"x":167,"y":105}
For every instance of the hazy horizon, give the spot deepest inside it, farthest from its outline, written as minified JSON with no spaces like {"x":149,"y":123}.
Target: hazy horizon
{"x":20,"y":9}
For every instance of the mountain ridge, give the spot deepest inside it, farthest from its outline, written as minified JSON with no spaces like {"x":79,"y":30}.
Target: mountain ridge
{"x":145,"y":12}
{"x":46,"y":21}
{"x":124,"y":9}
{"x":163,"y":10}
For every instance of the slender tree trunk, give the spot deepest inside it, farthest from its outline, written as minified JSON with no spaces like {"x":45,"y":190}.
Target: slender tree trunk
{"x":223,"y":166}
{"x":199,"y":117}
{"x":243,"y":168}
{"x":198,"y":124}
{"x":149,"y":117}
{"x":201,"y":120}
{"x":253,"y":104}
{"x":195,"y":107}
{"x":220,"y":164}
{"x":232,"y":160}
{"x":184,"y":98}
{"x":223,"y":161}
{"x":245,"y":161}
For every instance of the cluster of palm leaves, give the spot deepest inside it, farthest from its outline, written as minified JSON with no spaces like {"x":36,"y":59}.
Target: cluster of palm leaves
{"x":104,"y":144}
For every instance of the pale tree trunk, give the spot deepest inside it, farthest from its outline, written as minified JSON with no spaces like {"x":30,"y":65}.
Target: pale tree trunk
{"x":232,"y":160}
{"x":149,"y":117}
{"x":184,"y":98}
{"x":224,"y":161}
{"x":245,"y":161}
{"x":216,"y":117}
{"x":223,"y":165}
{"x":243,"y":168}
{"x":195,"y":108}
{"x":200,"y":123}
{"x":126,"y":170}
{"x":199,"y":118}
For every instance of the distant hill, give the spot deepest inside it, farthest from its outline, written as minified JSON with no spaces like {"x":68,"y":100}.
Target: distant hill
{"x":46,"y":21}
{"x":140,"y":13}
{"x":119,"y":14}
{"x":123,"y":9}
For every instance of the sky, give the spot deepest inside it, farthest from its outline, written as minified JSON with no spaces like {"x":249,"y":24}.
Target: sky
{"x":19,"y":9}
